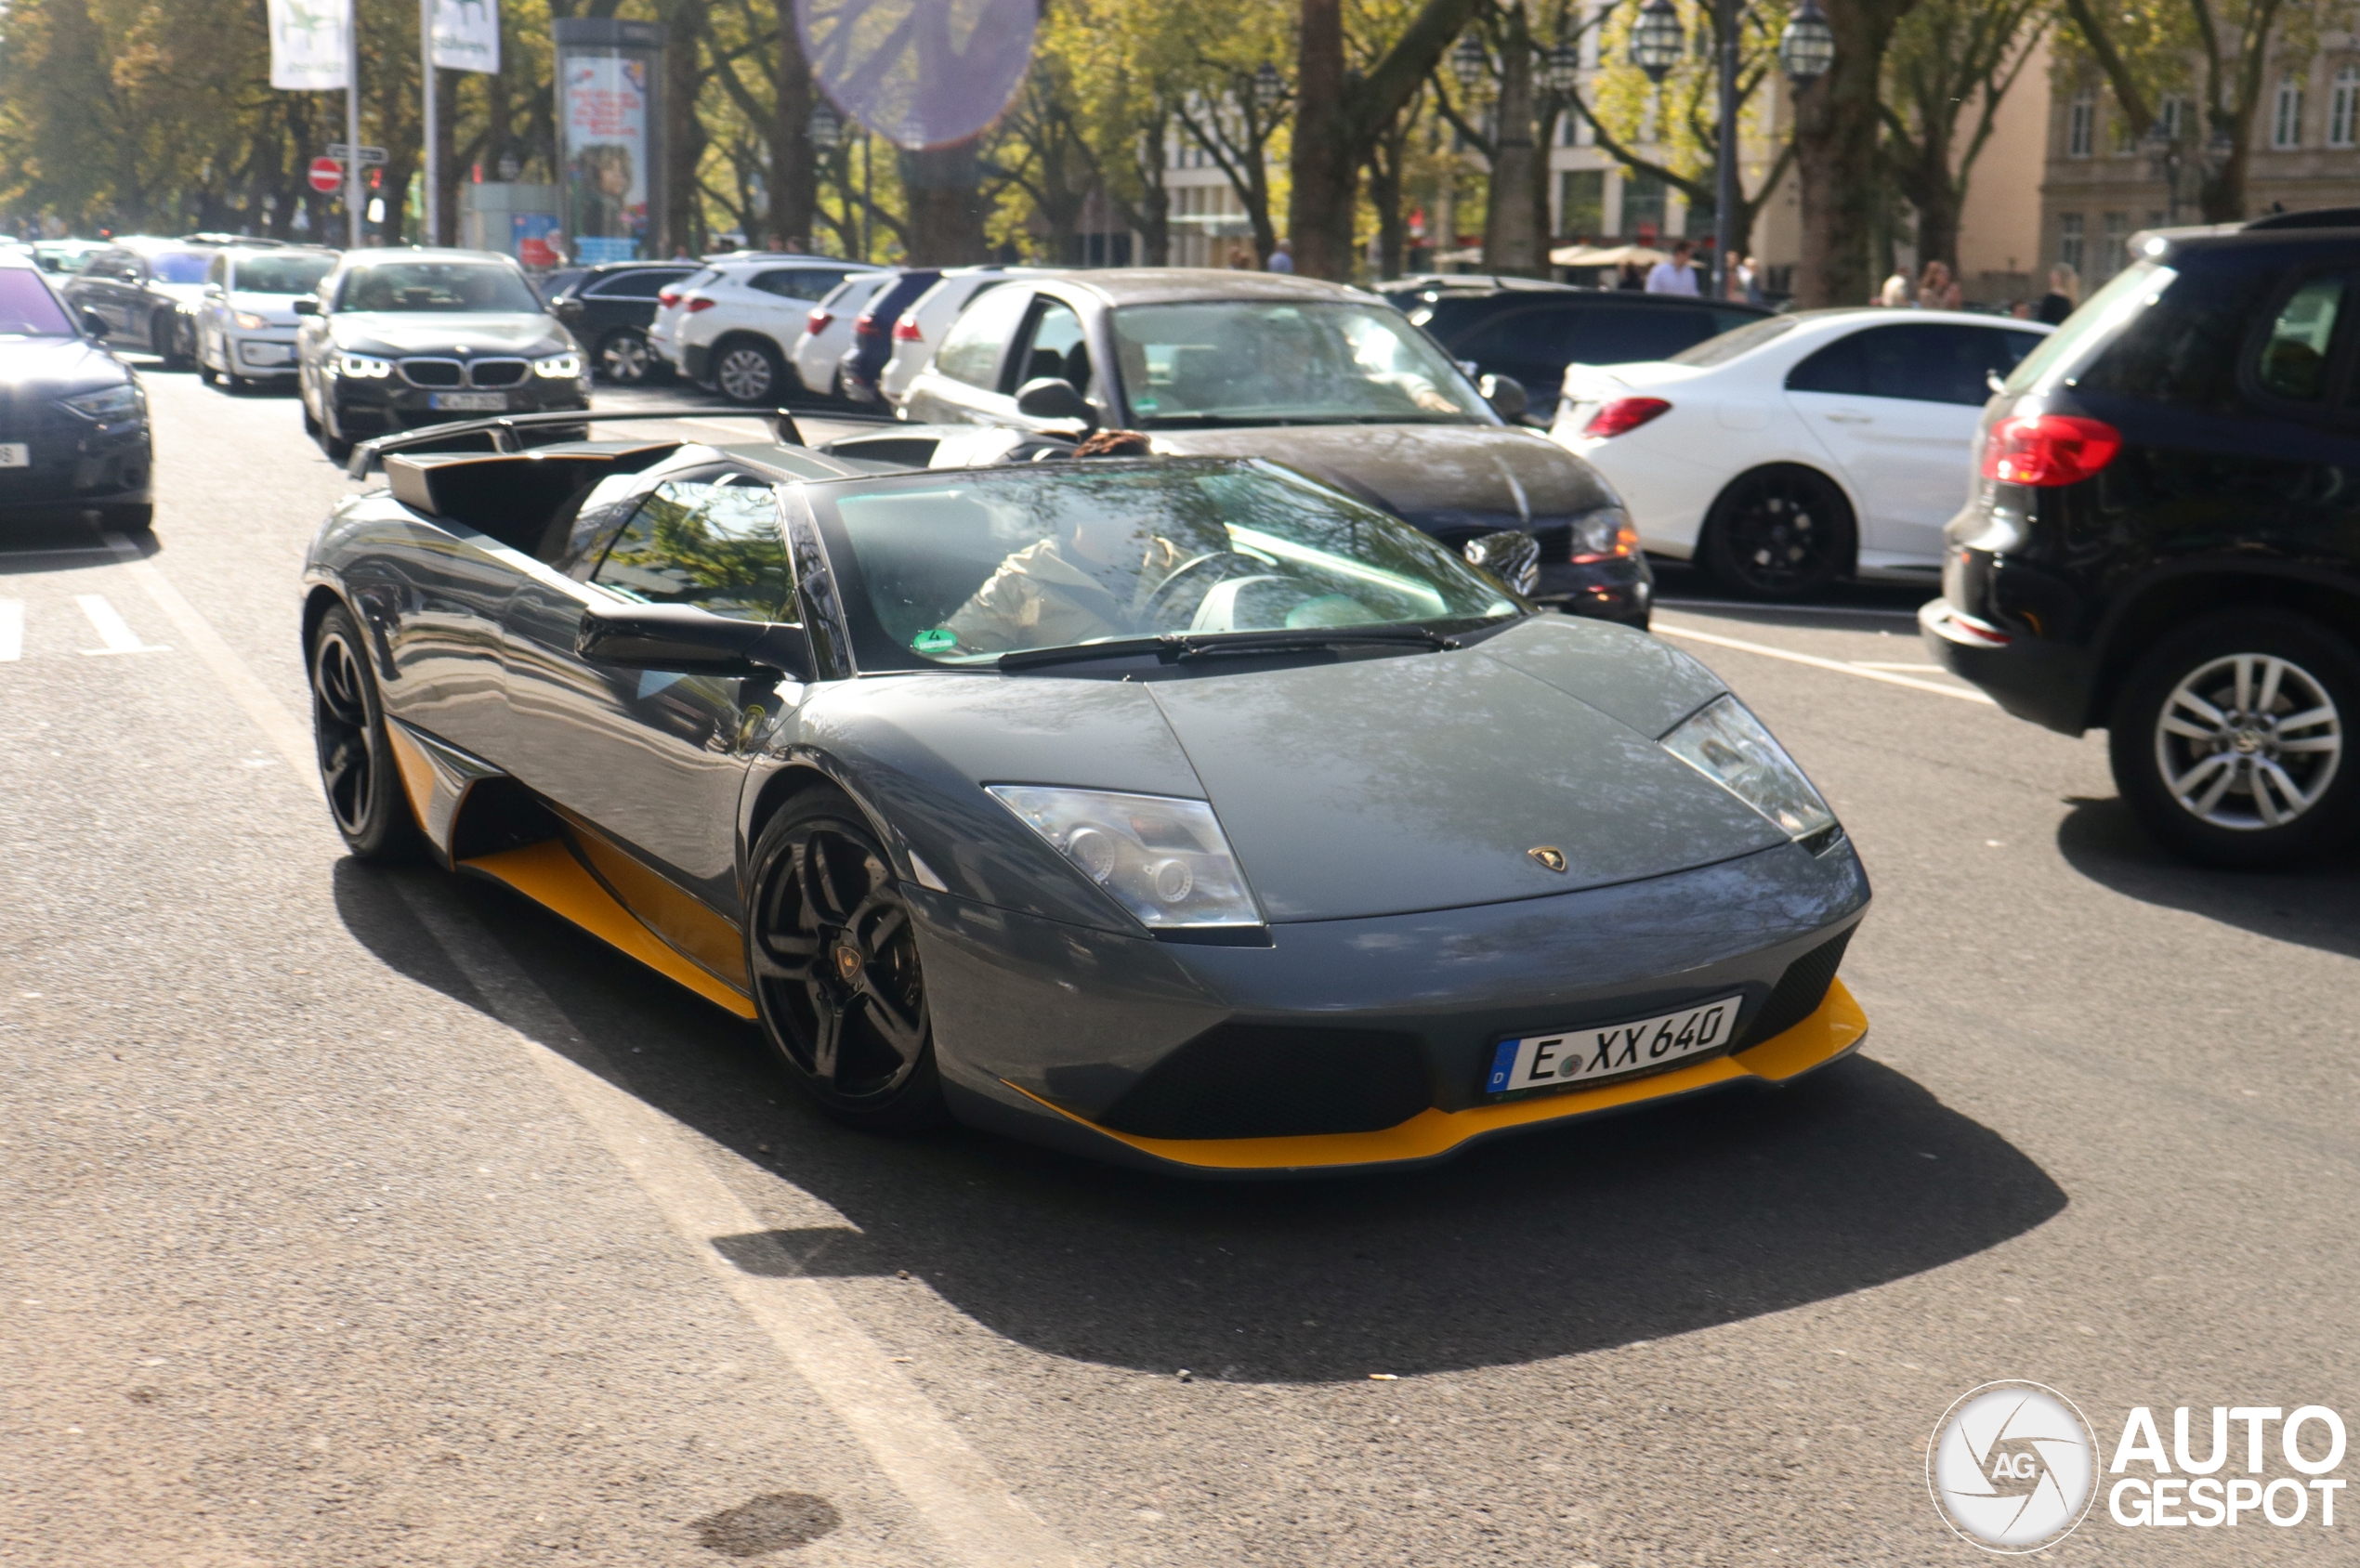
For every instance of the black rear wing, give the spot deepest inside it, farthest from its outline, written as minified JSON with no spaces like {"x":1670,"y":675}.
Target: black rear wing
{"x":511,"y":433}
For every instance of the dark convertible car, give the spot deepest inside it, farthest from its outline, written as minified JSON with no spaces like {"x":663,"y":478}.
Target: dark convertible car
{"x":1186,"y":812}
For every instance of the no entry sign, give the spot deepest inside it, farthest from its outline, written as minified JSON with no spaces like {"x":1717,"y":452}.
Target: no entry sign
{"x":326,"y":174}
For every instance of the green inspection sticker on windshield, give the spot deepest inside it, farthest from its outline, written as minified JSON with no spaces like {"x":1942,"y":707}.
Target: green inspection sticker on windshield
{"x":939,"y":640}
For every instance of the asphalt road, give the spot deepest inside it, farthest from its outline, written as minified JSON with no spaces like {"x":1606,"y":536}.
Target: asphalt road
{"x":358,"y":1218}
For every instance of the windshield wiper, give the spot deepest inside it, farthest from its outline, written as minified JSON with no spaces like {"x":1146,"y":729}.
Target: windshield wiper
{"x":1172,"y":647}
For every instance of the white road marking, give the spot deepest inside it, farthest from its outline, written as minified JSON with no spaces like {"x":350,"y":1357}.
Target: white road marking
{"x":11,"y":630}
{"x":112,"y":628}
{"x":1881,"y":664}
{"x":977,"y":1522}
{"x":1963,"y":694}
{"x":1747,"y":607}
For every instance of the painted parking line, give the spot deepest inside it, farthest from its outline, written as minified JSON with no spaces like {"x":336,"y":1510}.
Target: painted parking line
{"x":1963,"y":694}
{"x":977,"y":1522}
{"x":112,"y":628}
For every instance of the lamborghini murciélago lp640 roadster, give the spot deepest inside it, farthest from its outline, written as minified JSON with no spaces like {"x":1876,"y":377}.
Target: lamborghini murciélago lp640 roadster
{"x":1181,"y":812}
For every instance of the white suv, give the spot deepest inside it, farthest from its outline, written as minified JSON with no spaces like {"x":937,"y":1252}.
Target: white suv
{"x":827,"y":332}
{"x":726,"y":327}
{"x":922,"y":326}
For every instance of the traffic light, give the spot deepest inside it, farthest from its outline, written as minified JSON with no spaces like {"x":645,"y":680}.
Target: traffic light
{"x":377,"y":179}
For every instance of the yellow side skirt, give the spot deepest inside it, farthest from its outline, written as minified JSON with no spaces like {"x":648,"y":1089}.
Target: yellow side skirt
{"x":1835,"y":1029}
{"x":549,"y":875}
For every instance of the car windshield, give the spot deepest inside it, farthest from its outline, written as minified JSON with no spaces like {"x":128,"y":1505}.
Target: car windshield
{"x":437,"y":286}
{"x":180,"y":266}
{"x":2101,"y":317}
{"x":279,"y":274}
{"x":28,"y":308}
{"x":959,"y":567}
{"x":1719,"y":351}
{"x":1248,"y":362}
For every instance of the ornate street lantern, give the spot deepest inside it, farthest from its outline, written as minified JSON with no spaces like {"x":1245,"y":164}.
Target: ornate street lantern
{"x":1268,"y":87}
{"x":1561,"y":70}
{"x":1469,"y":62}
{"x":1808,"y":45}
{"x":1657,"y":39}
{"x":827,"y":128}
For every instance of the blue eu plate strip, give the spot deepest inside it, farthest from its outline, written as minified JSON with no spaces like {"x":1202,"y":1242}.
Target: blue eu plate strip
{"x":1503,"y":1062}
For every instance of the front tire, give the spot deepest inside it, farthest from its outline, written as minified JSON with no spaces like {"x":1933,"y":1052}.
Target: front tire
{"x":1779,"y":533}
{"x":2228,"y":739}
{"x":833,"y":955}
{"x":357,"y":768}
{"x":748,"y":372}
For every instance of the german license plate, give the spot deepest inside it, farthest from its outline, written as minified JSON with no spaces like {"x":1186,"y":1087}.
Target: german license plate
{"x":1592,"y":1053}
{"x":15,"y":455}
{"x":469,"y":403}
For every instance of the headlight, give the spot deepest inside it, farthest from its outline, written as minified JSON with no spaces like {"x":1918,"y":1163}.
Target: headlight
{"x":1729,"y":745}
{"x":558,"y":366}
{"x":1604,"y":535}
{"x":363,"y":367}
{"x":249,"y":320}
{"x":1165,"y":860}
{"x":113,"y":402}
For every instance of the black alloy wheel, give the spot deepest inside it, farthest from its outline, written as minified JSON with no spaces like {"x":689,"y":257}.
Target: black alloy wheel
{"x":834,"y":961}
{"x":356,"y":760}
{"x":168,"y":339}
{"x":748,"y":370}
{"x":2228,"y":739}
{"x":626,"y":360}
{"x":1780,"y":532}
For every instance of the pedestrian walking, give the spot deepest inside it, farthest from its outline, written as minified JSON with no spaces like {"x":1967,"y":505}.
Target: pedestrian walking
{"x":1282,"y":258}
{"x":2065,"y":292}
{"x":1937,"y":290}
{"x":1674,"y":276}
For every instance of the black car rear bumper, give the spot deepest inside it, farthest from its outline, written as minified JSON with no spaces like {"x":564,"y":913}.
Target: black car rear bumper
{"x":2034,"y":678}
{"x":69,"y":472}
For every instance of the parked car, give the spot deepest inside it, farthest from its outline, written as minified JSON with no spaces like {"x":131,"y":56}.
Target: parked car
{"x":1799,"y":449}
{"x":147,"y":291}
{"x":730,"y":323}
{"x":556,"y":281}
{"x":73,"y":419}
{"x":1276,"y":840}
{"x":399,"y":338}
{"x":245,"y":319}
{"x":827,"y":330}
{"x":924,"y":320}
{"x":1327,"y":379}
{"x":65,"y":256}
{"x":611,"y":308}
{"x":1533,"y":332}
{"x":2163,"y":541}
{"x":864,"y":358}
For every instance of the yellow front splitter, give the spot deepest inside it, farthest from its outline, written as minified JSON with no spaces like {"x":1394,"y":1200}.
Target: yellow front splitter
{"x":1837,"y":1028}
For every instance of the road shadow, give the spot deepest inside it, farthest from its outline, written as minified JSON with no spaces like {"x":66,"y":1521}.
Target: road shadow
{"x":2318,"y":906}
{"x":1654,"y":1223}
{"x":61,"y":541}
{"x":1678,"y":580}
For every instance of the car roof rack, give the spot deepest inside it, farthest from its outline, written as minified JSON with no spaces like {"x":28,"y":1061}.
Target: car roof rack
{"x":504,"y":430}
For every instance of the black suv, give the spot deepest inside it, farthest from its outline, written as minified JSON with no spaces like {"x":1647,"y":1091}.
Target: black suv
{"x":2164,"y":539}
{"x":1529,"y":332}
{"x":610,"y":308}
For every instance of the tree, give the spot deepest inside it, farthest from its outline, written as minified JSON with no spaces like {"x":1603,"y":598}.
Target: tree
{"x":1837,"y":120}
{"x":1950,"y":58}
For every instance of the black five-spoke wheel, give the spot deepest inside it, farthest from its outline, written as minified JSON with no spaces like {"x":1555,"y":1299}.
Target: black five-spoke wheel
{"x":356,"y":762}
{"x":835,"y":967}
{"x":1778,"y":533}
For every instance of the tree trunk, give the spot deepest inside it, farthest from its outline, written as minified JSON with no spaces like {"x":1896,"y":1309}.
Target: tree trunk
{"x":1511,"y":240}
{"x":1836,"y":123}
{"x":684,"y":135}
{"x":1327,"y":174}
{"x":2223,"y":195}
{"x":945,"y":205}
{"x":795,"y":184}
{"x":1385,"y":181}
{"x":444,"y":198}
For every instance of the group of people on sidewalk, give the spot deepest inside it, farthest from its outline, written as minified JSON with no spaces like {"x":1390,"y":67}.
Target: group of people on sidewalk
{"x":1679,"y":274}
{"x":1938,"y":290}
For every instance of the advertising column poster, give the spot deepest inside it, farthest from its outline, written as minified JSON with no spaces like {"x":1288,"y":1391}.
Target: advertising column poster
{"x":610,"y":129}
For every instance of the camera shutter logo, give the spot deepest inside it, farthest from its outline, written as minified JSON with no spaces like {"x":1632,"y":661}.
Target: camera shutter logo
{"x":2013,"y":1466}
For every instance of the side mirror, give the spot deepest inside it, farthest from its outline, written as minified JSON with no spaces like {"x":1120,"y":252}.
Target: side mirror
{"x":1046,"y":396}
{"x":1511,"y":557}
{"x":568,"y":310}
{"x":308,"y":305}
{"x":685,"y":640}
{"x":94,"y":323}
{"x":213,"y":290}
{"x":1506,"y":395}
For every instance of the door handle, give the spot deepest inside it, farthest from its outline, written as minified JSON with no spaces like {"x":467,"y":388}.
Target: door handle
{"x":1848,"y":419}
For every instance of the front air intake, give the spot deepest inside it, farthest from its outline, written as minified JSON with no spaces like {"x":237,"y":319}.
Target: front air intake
{"x":1248,"y":1080}
{"x":1800,"y":989}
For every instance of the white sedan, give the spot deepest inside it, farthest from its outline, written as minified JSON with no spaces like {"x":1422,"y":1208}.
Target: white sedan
{"x":1801,"y":448}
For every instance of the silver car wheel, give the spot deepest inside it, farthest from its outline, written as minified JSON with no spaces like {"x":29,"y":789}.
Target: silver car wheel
{"x":627,"y":358}
{"x":743,"y":375}
{"x":2248,"y":741}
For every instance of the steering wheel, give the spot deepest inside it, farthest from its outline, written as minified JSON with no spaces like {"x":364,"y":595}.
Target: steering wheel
{"x":1213,"y":565}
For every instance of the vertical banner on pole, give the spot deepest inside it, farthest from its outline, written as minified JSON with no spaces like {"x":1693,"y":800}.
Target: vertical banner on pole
{"x":307,"y":45}
{"x":611,"y":134}
{"x":467,"y":35}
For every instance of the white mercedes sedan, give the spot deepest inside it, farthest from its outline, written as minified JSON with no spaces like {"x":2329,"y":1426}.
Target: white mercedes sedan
{"x":1801,"y":449}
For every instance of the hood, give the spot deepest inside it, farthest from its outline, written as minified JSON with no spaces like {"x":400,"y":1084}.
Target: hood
{"x":52,"y":367}
{"x":1437,"y":477}
{"x":486,"y":332}
{"x":277,"y":309}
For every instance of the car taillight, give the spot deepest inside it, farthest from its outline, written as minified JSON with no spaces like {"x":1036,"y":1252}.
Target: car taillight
{"x":866,"y":326}
{"x":906,"y":330}
{"x":2048,"y":449}
{"x":667,"y":297}
{"x":697,"y":303}
{"x":818,"y":322}
{"x":1618,"y":414}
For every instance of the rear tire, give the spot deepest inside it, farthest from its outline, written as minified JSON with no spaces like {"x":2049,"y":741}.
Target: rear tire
{"x":2204,"y":752}
{"x":834,"y":956}
{"x":357,"y":770}
{"x":624,"y":358}
{"x":1778,"y":533}
{"x":749,"y":373}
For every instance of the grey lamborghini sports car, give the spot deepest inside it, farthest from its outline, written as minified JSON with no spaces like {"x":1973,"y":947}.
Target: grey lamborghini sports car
{"x":1182,"y":812}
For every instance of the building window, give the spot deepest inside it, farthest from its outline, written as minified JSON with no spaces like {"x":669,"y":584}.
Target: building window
{"x":1643,"y":205}
{"x":1581,"y":203}
{"x":2069,"y":239}
{"x":2343,"y":107}
{"x":2117,"y":233}
{"x":2122,"y":137}
{"x":2173,"y":116}
{"x":2081,"y":117}
{"x":2286,"y":113}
